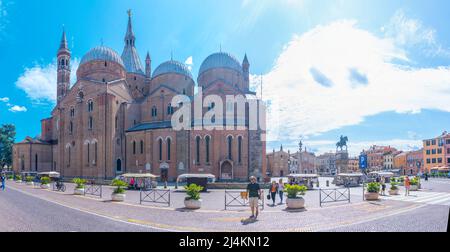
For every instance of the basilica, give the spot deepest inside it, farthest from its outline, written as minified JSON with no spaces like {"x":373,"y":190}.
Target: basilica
{"x":116,"y":119}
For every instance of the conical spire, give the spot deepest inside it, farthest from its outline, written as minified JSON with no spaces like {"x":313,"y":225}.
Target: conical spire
{"x":63,"y":46}
{"x":130,"y":56}
{"x":246,"y":60}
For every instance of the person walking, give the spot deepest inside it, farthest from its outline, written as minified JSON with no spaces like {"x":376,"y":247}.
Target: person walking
{"x":383,"y":186}
{"x":3,"y":181}
{"x":281,"y":190}
{"x":254,"y":195}
{"x":407,"y":185}
{"x":273,"y":191}
{"x":426,"y":176}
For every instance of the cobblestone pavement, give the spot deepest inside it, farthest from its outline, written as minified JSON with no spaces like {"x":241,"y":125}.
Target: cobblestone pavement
{"x":179,"y":219}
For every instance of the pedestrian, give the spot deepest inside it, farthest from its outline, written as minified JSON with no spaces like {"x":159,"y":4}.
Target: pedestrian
{"x":254,"y":195}
{"x":383,"y":186}
{"x":281,"y":190}
{"x":273,"y":192}
{"x":426,"y":176}
{"x":3,"y":180}
{"x":407,"y":185}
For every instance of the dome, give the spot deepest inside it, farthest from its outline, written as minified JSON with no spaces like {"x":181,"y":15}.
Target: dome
{"x":102,"y":53}
{"x":220,"y":60}
{"x":172,"y":66}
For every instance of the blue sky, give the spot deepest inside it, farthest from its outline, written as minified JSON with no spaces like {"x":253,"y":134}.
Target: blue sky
{"x":376,"y":71}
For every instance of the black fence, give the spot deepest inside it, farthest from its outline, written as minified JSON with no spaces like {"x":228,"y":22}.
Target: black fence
{"x":93,"y":189}
{"x":158,"y":196}
{"x":239,"y":198}
{"x":334,"y":195}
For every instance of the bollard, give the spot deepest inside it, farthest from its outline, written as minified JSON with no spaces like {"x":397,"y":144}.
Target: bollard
{"x":328,"y":183}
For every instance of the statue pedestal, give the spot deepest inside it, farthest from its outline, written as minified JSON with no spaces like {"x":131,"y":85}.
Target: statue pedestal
{"x":342,"y":162}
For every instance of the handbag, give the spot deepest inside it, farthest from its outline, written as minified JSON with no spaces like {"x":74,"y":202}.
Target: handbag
{"x":268,"y":196}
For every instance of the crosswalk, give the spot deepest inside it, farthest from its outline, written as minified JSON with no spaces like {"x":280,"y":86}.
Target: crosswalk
{"x":429,"y":198}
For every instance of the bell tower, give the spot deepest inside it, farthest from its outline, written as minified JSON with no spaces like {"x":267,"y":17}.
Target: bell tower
{"x":63,"y":79}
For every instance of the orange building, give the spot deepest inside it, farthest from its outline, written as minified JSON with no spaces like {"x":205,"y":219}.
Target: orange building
{"x":400,"y":161}
{"x":436,"y":153}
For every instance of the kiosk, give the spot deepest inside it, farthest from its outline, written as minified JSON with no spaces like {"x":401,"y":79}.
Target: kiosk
{"x":348,"y":179}
{"x":307,"y":180}
{"x":141,"y":180}
{"x":198,"y":179}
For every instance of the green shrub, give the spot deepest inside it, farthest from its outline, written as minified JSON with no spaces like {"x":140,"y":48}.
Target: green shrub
{"x":120,"y":186}
{"x":193,"y":191}
{"x":394,"y":185}
{"x":79,"y":182}
{"x":373,"y":187}
{"x":414,"y":181}
{"x":393,"y":180}
{"x":18,"y":177}
{"x":45,"y":180}
{"x":294,"y":190}
{"x":29,"y":178}
{"x":10,"y":177}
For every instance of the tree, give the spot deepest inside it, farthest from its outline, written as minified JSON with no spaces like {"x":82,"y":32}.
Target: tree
{"x":7,"y":138}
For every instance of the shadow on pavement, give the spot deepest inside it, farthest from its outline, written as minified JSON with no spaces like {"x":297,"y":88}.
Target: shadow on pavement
{"x":248,"y":221}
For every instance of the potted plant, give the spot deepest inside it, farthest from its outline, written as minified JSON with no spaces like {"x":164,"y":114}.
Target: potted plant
{"x":79,"y":188}
{"x":193,"y":201}
{"x":373,"y":190}
{"x":29,"y":180}
{"x":119,"y":193}
{"x":10,"y":177}
{"x":294,"y":196}
{"x":394,"y":188}
{"x":19,"y":179}
{"x":414,"y":182}
{"x":45,"y":183}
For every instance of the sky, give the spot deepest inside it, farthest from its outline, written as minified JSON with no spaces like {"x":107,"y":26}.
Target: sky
{"x":375,"y":71}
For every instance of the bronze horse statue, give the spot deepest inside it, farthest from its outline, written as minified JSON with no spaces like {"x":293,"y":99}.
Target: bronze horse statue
{"x":342,"y":142}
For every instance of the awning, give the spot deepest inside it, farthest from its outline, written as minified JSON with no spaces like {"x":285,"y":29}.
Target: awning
{"x":350,"y":175}
{"x":50,"y":174}
{"x":185,"y":176}
{"x":303,"y":176}
{"x":139,"y":175}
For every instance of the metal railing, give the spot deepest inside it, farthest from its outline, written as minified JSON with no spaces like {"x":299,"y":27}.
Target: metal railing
{"x":159,"y":196}
{"x":93,"y":189}
{"x":239,"y":198}
{"x":334,"y":195}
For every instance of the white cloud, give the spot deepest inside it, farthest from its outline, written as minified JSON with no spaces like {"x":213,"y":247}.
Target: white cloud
{"x":4,"y":99}
{"x":16,"y":108}
{"x":39,"y":82}
{"x":345,"y":54}
{"x":413,"y":33}
{"x":189,"y":62}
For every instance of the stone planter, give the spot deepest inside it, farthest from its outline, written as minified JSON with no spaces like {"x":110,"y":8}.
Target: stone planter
{"x":393,"y":192}
{"x":371,"y":196}
{"x":78,"y":191}
{"x":118,"y":197}
{"x":297,"y":203}
{"x":45,"y":186}
{"x":414,"y":188}
{"x":18,"y":181}
{"x":30,"y":183}
{"x":193,"y":204}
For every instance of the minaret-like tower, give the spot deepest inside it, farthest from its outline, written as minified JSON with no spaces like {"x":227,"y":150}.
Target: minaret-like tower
{"x":63,"y":79}
{"x":246,"y":70}
{"x":148,"y":66}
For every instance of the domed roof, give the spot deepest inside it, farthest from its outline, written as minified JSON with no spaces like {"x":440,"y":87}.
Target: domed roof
{"x":102,"y":53}
{"x":220,"y":60}
{"x":172,"y":66}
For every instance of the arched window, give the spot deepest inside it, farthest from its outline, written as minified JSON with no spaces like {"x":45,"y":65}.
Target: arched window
{"x":88,"y":154}
{"x":169,"y":109}
{"x":72,"y":112}
{"x":91,"y":123}
{"x":90,"y":106}
{"x":169,"y":141}
{"x":142,"y":147}
{"x":160,"y":142}
{"x":36,"y":162}
{"x":70,"y":155}
{"x":207,"y":144}
{"x":116,"y":123}
{"x":197,"y":150}
{"x":230,"y":147}
{"x":95,"y":153}
{"x":134,"y":147}
{"x":71,"y":127}
{"x":154,"y":112}
{"x":240,"y":149}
